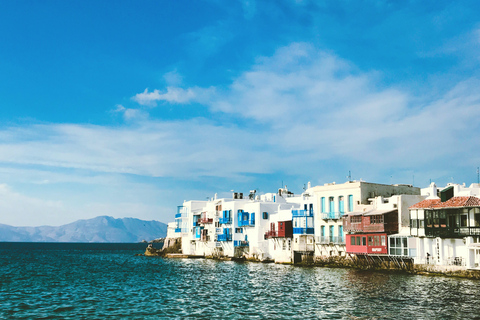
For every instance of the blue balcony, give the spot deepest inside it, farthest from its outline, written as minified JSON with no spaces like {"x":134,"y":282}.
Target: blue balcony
{"x":225,"y":220}
{"x":303,"y":230}
{"x":238,"y":243}
{"x":178,"y":215}
{"x":302,"y":213}
{"x":246,"y":223}
{"x":224,"y":237}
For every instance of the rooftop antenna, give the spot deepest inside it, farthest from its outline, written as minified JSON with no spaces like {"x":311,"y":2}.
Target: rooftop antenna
{"x":349,"y":175}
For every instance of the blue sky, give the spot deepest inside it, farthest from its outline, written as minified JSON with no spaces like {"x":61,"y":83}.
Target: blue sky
{"x":128,"y":108}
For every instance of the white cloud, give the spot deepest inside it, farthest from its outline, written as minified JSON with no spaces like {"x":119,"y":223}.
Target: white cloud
{"x":172,"y":95}
{"x":288,"y":113}
{"x":131,"y":114}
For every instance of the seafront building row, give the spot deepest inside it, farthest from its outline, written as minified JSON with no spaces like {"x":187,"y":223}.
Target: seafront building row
{"x":438,"y":226}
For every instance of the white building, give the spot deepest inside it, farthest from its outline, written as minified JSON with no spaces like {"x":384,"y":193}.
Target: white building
{"x":332,"y":201}
{"x":447,"y":228}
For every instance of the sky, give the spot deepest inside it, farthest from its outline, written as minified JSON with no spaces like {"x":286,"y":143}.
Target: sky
{"x":128,"y":108}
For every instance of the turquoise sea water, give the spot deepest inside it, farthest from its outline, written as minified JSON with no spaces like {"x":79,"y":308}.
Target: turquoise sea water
{"x":106,"y":281}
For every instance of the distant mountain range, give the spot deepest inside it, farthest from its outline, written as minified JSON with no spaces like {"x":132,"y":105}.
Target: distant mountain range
{"x":99,"y":229}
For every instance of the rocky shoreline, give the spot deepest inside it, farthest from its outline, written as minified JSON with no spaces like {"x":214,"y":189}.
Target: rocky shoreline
{"x":172,"y":249}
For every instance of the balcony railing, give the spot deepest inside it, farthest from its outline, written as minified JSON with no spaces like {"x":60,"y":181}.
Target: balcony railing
{"x":302,"y":213}
{"x":225,"y":220}
{"x":330,"y":239}
{"x":246,"y":223}
{"x":449,"y":232}
{"x":205,"y":220}
{"x":354,"y":227}
{"x":238,"y":243}
{"x":271,"y":234}
{"x":332,"y":215}
{"x":224,"y":237}
{"x":303,"y":247}
{"x":303,"y":230}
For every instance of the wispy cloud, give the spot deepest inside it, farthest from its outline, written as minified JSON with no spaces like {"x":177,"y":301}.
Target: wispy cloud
{"x":172,"y":95}
{"x":288,"y":113}
{"x":131,"y":114}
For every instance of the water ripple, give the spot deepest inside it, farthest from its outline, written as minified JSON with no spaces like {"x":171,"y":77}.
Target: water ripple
{"x":72,"y":284}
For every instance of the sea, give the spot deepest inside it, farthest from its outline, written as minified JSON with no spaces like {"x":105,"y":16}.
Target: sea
{"x":109,"y":281}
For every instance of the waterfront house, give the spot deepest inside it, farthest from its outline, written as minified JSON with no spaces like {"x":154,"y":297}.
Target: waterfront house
{"x":334,"y":201}
{"x":447,"y":229}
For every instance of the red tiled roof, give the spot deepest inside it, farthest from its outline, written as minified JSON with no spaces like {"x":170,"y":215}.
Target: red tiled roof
{"x":455,"y":202}
{"x":428,"y":203}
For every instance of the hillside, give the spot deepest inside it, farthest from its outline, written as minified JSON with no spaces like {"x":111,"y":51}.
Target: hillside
{"x":99,"y":229}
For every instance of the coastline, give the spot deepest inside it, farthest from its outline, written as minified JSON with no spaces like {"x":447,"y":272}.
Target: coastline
{"x":335,"y":262}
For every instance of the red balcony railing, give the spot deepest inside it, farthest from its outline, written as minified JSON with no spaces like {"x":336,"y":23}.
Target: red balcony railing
{"x":205,"y":220}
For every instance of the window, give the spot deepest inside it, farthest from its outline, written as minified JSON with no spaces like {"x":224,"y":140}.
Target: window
{"x":398,"y":246}
{"x":358,"y":240}
{"x":350,"y":203}
{"x":341,"y":206}
{"x":355,"y":219}
{"x":332,"y":204}
{"x":352,"y":241}
{"x":265,"y":215}
{"x":376,"y":240}
{"x":323,"y":205}
{"x":421,"y":223}
{"x":413,"y":223}
{"x":238,"y":230}
{"x":384,"y":243}
{"x":376,"y":219}
{"x":364,"y":241}
{"x":370,"y":241}
{"x":463,"y":220}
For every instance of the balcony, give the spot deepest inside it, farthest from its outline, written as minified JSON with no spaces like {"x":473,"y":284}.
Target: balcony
{"x":353,"y":227}
{"x":178,"y":215}
{"x":451,"y":232}
{"x":246,"y":223}
{"x":303,"y":247}
{"x":225,"y":220}
{"x":303,"y":230}
{"x":224,"y":237}
{"x":271,"y":234}
{"x":332,"y":215}
{"x":330,"y":240}
{"x":205,"y":220}
{"x":302,"y":213}
{"x":238,"y":243}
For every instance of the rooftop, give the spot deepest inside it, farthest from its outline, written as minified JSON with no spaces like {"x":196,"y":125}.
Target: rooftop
{"x":455,"y":202}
